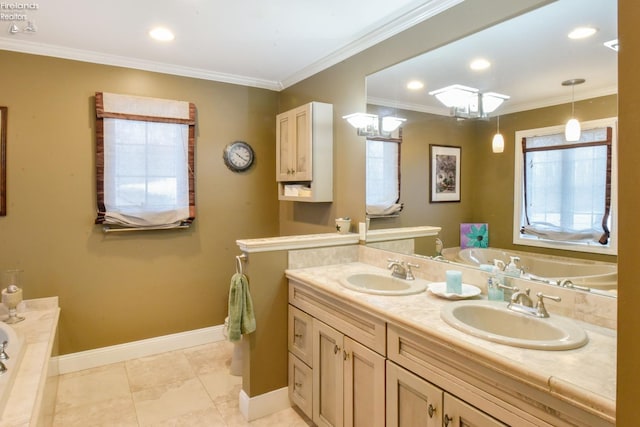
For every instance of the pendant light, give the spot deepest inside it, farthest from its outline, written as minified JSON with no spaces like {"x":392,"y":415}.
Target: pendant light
{"x":572,"y":128}
{"x":497,"y":144}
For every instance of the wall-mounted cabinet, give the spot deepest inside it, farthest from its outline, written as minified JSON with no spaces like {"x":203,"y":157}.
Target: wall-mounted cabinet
{"x":304,"y":153}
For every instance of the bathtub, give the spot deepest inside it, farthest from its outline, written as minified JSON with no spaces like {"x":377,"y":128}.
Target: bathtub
{"x":14,"y":349}
{"x":586,"y":273}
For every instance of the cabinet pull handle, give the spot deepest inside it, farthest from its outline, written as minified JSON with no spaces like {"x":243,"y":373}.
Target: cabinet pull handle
{"x":345,"y":355}
{"x":447,"y":420}
{"x":336,"y":349}
{"x":431,"y":410}
{"x":298,"y":335}
{"x":297,"y":385}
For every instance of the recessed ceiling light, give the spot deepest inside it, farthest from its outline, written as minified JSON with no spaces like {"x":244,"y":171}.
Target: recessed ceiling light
{"x":415,"y":85}
{"x":479,"y":64}
{"x":582,"y":32}
{"x":161,"y":34}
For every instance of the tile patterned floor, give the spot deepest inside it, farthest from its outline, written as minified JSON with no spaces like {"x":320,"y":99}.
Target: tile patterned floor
{"x":189,"y":387}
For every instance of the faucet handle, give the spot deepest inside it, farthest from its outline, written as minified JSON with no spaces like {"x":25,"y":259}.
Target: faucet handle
{"x":540,"y":308}
{"x":3,"y":354}
{"x":410,"y":275}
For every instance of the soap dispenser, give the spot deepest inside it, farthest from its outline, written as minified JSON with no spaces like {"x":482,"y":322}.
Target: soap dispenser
{"x":512,"y":268}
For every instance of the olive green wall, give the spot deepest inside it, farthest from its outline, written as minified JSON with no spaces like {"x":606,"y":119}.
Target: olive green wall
{"x":628,"y":379}
{"x":121,"y":287}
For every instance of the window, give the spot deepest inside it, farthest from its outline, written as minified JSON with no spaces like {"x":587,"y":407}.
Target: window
{"x":145,"y":158}
{"x":383,"y":177}
{"x":566,"y":191}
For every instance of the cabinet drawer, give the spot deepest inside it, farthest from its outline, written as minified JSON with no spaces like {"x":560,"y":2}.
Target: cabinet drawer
{"x":301,"y":385}
{"x":363,"y":327}
{"x":300,"y":335}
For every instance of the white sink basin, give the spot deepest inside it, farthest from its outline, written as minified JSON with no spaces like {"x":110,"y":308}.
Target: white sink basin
{"x":492,"y":321}
{"x":383,"y":285}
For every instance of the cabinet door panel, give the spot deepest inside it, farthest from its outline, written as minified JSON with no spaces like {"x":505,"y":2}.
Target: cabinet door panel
{"x":411,"y":401}
{"x":303,"y":143}
{"x":461,"y":414}
{"x":284,"y":148}
{"x":327,"y":376}
{"x":300,"y":385}
{"x":364,"y":389}
{"x":300,"y":333}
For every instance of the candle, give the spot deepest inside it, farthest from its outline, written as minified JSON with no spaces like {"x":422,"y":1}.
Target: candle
{"x":454,"y":282}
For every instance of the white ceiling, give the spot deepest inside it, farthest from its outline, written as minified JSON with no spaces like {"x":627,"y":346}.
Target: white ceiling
{"x":531,"y":55}
{"x":270,"y":44}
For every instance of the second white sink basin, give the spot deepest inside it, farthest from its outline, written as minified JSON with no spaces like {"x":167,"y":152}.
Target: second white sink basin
{"x":383,"y":285}
{"x":492,"y":321}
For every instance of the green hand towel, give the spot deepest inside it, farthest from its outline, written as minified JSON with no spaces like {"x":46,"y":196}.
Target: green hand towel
{"x":242,"y":319}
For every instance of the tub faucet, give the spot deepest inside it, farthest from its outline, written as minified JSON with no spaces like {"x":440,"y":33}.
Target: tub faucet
{"x":401,"y":270}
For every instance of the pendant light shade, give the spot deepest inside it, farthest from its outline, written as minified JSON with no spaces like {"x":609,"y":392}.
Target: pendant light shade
{"x":497,"y":145}
{"x":572,"y":128}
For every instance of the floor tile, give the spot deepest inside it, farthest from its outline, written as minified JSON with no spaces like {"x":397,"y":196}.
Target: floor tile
{"x":80,"y":388}
{"x":169,"y":401}
{"x":221,"y":385}
{"x":210,"y":358}
{"x":152,"y":371}
{"x":114,"y":412}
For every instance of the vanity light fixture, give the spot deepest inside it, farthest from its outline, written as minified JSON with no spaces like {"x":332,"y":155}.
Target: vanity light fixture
{"x":467,"y":102}
{"x":162,"y":34}
{"x":372,"y":125}
{"x":572,"y":128}
{"x":613,"y":44}
{"x":497,"y":145}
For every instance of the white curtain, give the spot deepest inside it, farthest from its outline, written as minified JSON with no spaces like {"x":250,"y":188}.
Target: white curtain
{"x":146,"y":179}
{"x":382,"y":191}
{"x":565,"y":186}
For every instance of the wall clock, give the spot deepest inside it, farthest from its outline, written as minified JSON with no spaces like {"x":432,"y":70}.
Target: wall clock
{"x":238,"y":156}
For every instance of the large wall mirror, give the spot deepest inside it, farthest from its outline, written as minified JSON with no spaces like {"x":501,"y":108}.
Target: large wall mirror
{"x":527,"y":59}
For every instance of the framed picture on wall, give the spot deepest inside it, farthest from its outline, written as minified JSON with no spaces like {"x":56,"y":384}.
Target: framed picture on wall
{"x":445,"y":173}
{"x":3,"y":161}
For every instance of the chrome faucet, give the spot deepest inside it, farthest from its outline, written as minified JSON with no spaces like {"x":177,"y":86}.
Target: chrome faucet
{"x":401,"y":270}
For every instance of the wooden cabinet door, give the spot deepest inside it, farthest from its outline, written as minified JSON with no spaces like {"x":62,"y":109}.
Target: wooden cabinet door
{"x":411,"y":401}
{"x":303,"y":131}
{"x":294,"y":137}
{"x":460,"y":414}
{"x":300,"y":334}
{"x":364,"y":390}
{"x":328,"y":398}
{"x":301,"y":385}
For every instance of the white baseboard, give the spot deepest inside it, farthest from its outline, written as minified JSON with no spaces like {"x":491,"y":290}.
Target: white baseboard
{"x":132,"y":350}
{"x":265,"y":404}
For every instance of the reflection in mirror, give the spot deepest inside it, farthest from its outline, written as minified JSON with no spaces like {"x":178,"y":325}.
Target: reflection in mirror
{"x":527,"y":62}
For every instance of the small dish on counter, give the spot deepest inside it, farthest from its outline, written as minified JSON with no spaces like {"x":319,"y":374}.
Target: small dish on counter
{"x":440,"y":289}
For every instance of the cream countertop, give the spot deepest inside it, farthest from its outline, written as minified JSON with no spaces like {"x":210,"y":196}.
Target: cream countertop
{"x":585,"y":376}
{"x":38,"y":332}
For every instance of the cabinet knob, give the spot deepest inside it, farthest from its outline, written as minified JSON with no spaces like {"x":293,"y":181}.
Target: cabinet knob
{"x":431,"y":410}
{"x":447,"y":420}
{"x":297,"y":385}
{"x":298,"y":335}
{"x":336,"y":349}
{"x":345,"y":355}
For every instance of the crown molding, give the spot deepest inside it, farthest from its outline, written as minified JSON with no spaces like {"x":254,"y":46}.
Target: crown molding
{"x":397,"y":25}
{"x":24,"y":46}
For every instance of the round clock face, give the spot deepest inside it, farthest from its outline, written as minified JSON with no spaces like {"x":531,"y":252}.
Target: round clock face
{"x":238,"y":156}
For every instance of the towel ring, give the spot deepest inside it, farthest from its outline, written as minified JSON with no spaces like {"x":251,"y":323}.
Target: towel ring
{"x":239,"y":259}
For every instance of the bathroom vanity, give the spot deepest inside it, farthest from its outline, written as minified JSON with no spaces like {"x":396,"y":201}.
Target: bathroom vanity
{"x":363,"y":359}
